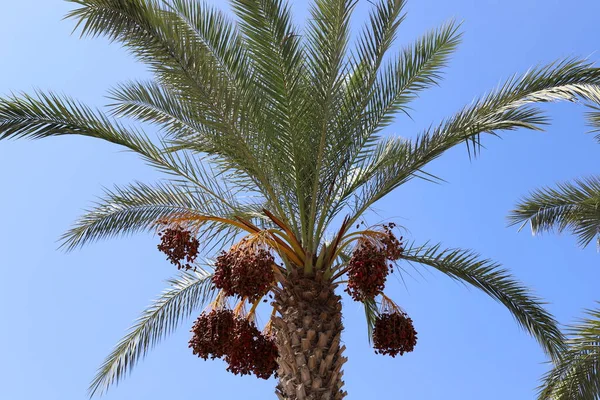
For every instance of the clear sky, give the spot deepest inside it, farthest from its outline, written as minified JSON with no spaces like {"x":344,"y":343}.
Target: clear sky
{"x":62,"y":313}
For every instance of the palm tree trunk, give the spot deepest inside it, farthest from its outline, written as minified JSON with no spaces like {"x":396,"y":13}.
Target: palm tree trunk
{"x":308,"y":333}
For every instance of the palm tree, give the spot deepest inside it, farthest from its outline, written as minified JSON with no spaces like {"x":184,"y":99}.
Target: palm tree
{"x":272,"y":144}
{"x":574,"y":207}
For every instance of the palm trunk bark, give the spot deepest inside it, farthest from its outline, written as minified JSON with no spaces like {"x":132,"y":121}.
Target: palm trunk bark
{"x":308,"y":331}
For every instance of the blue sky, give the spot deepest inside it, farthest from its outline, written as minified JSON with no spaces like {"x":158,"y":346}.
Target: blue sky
{"x":62,"y":313}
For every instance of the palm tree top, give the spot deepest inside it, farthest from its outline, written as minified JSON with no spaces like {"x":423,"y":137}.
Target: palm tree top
{"x":275,"y":135}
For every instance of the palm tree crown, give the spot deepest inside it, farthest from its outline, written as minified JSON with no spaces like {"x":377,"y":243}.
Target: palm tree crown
{"x":273,"y":139}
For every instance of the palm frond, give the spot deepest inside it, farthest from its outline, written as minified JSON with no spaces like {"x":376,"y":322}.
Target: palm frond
{"x":160,"y":37}
{"x":157,"y":104}
{"x":275,"y":48}
{"x":49,"y":114}
{"x":187,"y":292}
{"x":370,"y":108}
{"x":219,"y":37}
{"x":364,"y":64}
{"x":466,"y":266}
{"x":576,"y":375}
{"x":225,"y":44}
{"x":157,"y":36}
{"x":375,"y":40}
{"x":507,"y":108}
{"x":573,"y":206}
{"x":327,"y":37}
{"x":151,"y":102}
{"x":137,"y":208}
{"x":417,"y":68}
{"x":360,"y":86}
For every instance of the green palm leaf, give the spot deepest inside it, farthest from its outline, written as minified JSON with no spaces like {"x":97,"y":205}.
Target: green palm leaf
{"x":51,"y":115}
{"x":395,"y":161}
{"x":467,"y":267}
{"x":416,"y":68}
{"x":570,"y":206}
{"x":187,"y":293}
{"x":157,"y":104}
{"x":214,"y":31}
{"x":275,"y":49}
{"x":137,"y":208}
